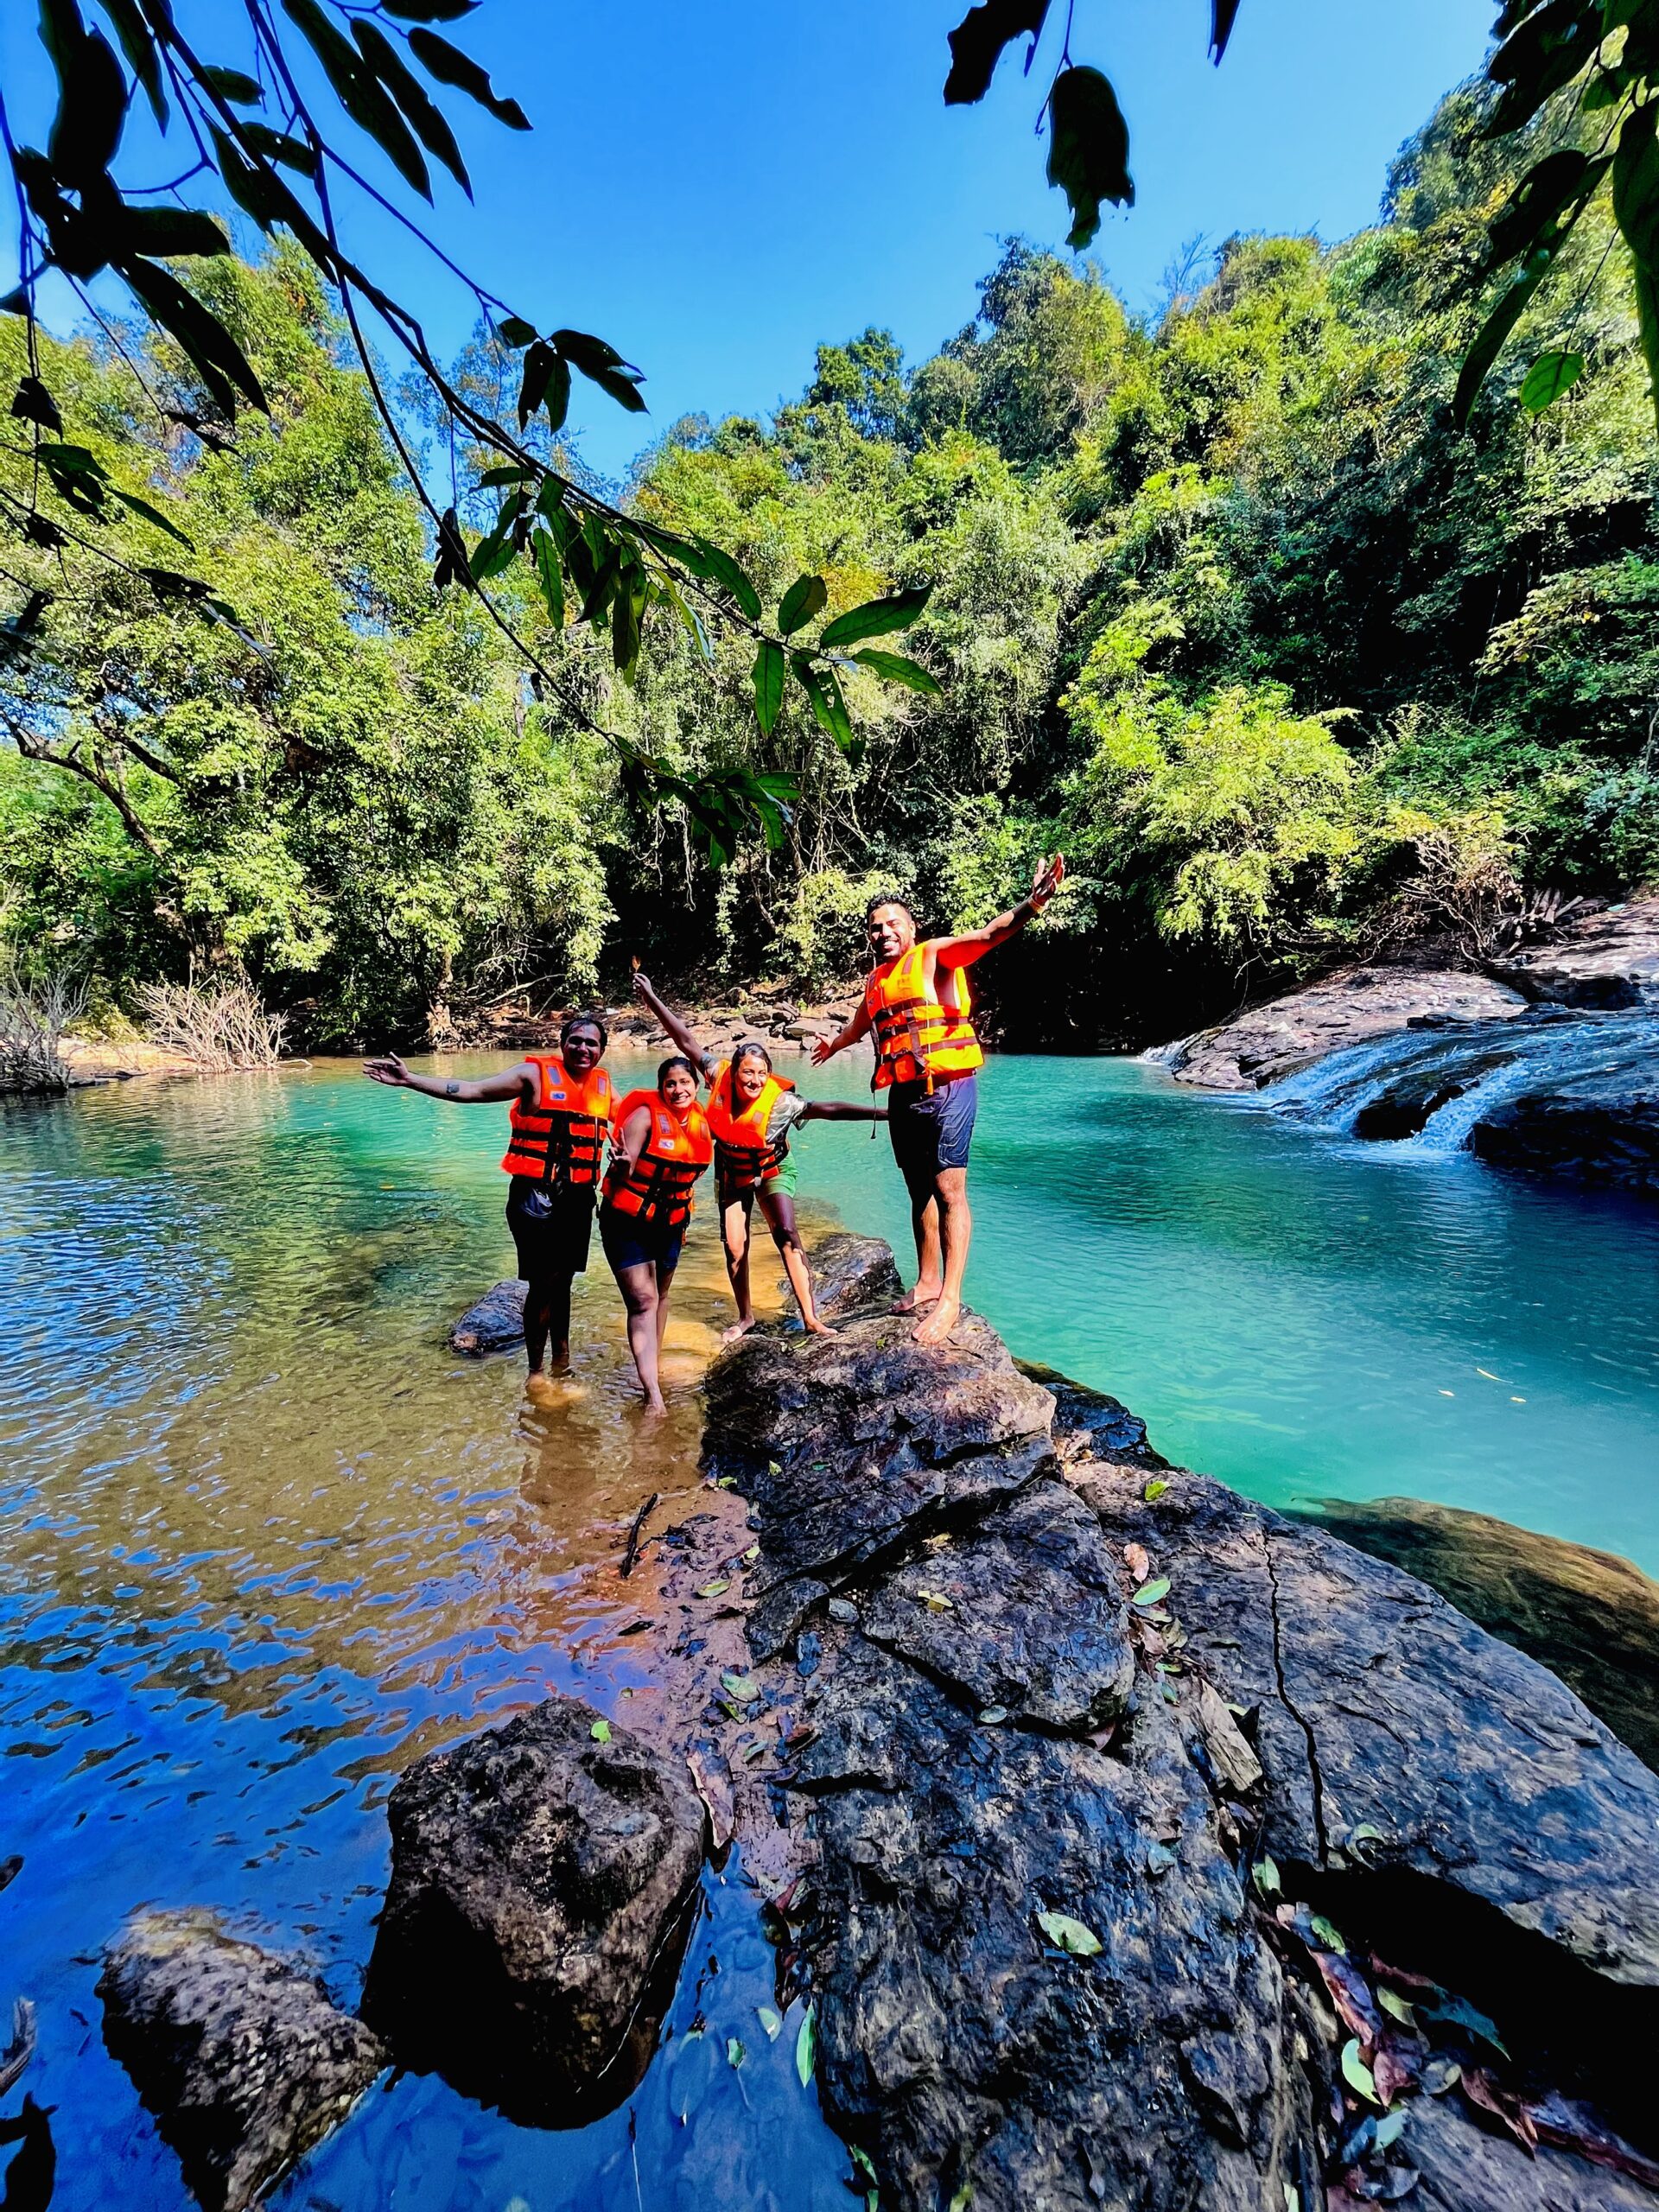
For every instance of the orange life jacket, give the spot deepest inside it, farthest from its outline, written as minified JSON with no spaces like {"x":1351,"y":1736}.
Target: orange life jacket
{"x":658,"y":1187}
{"x":745,"y":1154}
{"x":558,"y":1139}
{"x":917,"y":1038}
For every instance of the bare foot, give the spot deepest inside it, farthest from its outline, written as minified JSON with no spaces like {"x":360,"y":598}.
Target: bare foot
{"x":542,"y":1390}
{"x":654,"y":1408}
{"x":739,"y":1328}
{"x":913,"y":1301}
{"x":939,"y":1323}
{"x":814,"y":1327}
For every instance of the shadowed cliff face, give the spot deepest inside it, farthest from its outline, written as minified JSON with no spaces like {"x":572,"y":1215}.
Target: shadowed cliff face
{"x":1098,"y":1765}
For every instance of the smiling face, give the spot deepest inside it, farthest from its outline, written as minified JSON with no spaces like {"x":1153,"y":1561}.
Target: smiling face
{"x":892,"y":931}
{"x":582,"y":1049}
{"x":678,"y":1089}
{"x":749,"y":1074}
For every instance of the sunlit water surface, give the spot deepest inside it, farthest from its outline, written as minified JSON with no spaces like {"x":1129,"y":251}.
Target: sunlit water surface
{"x":263,"y":1538}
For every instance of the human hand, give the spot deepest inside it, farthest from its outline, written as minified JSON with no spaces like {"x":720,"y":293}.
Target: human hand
{"x":1046,"y":879}
{"x":642,"y":985}
{"x":391,"y":1069}
{"x":822,"y":1048}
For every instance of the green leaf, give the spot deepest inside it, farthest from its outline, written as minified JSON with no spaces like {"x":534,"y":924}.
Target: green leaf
{"x":1069,"y":1935}
{"x":91,"y":102}
{"x":33,"y":403}
{"x":167,"y":232}
{"x":360,"y":93}
{"x":1087,"y":149}
{"x":1459,"y":2013}
{"x":806,"y":2046}
{"x":234,"y":86}
{"x":600,"y":1732}
{"x":513,"y":330}
{"x":1357,"y":2074}
{"x":770,"y":2021}
{"x":994,"y":1716}
{"x":723,"y":570}
{"x":152,"y":515}
{"x":1155,"y":1489}
{"x":800,"y":603}
{"x":1390,"y":2128}
{"x":428,"y":11}
{"x":715,"y":1589}
{"x":626,"y":607}
{"x":1397,"y":2006}
{"x":1222,"y":14}
{"x":1636,"y":210}
{"x":828,"y":707}
{"x":1265,"y":1875}
{"x":771,"y":669}
{"x":429,"y":124}
{"x":977,"y":42}
{"x":1545,"y":52}
{"x":138,"y":44}
{"x":1327,"y":1935}
{"x":1538,"y":198}
{"x":593,"y":356}
{"x":735,"y":2053}
{"x":551,"y":576}
{"x":277,"y":146}
{"x":875,"y":618}
{"x":1489,"y":341}
{"x":1150,"y":1593}
{"x":217,"y":359}
{"x":895,"y":669}
{"x":743,"y":1687}
{"x":963,"y":2197}
{"x":451,"y":66}
{"x":514,"y":472}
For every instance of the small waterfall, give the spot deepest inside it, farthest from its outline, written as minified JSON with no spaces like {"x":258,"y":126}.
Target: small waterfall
{"x":1423,"y":1091}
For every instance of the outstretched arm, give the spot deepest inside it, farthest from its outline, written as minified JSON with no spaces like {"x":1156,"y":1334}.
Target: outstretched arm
{"x":836,"y":1109}
{"x":670,"y":1020}
{"x":973,"y":944}
{"x":482,"y":1091}
{"x":825,"y":1048}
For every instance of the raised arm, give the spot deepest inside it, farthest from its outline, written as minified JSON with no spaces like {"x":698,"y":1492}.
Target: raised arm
{"x":670,"y":1020}
{"x":479,"y":1090}
{"x":825,"y":1048}
{"x":973,"y":944}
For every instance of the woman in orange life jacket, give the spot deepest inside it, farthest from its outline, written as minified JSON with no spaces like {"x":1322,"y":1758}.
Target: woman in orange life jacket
{"x":561,"y":1116}
{"x":917,"y":1004}
{"x":661,"y":1142}
{"x":751,"y":1111}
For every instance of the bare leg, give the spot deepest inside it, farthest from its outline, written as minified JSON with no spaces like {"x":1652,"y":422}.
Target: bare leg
{"x":924,"y":1221}
{"x":734,"y":1235}
{"x":664,"y":1284}
{"x":638,"y":1287}
{"x":779,"y":1210}
{"x":957,"y":1226}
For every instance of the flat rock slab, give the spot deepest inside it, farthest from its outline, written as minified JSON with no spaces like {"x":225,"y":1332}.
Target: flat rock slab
{"x":1352,"y":1007}
{"x":539,"y":1900}
{"x":1591,"y":1133}
{"x":495,"y":1324}
{"x":1608,"y":960}
{"x":1590,"y":1617}
{"x":241,"y":2055}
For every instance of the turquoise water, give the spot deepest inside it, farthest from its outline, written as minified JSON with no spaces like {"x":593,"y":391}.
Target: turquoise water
{"x":263,"y":1539}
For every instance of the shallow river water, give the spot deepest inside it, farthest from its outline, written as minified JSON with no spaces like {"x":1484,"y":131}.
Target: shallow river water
{"x":263,"y":1538}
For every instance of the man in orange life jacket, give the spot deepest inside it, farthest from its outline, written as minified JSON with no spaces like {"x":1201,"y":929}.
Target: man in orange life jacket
{"x":918,"y":1007}
{"x":561,"y":1106}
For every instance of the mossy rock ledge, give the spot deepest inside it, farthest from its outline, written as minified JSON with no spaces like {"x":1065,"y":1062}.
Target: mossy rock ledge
{"x":998,"y":1718}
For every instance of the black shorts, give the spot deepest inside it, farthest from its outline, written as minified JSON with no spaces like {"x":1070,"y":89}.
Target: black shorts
{"x":551,"y":1227}
{"x":632,"y":1241}
{"x":931,"y":1130}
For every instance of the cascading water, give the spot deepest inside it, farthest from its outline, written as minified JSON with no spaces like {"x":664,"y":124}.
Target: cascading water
{"x":1426,"y":1091}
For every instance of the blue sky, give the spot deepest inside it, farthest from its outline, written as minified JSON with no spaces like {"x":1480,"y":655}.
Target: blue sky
{"x":717,"y":187}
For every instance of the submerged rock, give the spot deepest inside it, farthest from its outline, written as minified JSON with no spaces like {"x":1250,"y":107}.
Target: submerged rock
{"x":541,"y":1883}
{"x":495,"y":1324}
{"x":1589,"y":1616}
{"x":1353,"y":1007}
{"x":1042,"y":1968}
{"x":1593,"y":1130}
{"x":241,"y":2055}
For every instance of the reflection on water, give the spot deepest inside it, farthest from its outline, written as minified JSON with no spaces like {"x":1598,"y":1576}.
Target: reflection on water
{"x":263,"y":1539}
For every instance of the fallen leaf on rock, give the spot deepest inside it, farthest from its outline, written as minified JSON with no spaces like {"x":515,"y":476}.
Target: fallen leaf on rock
{"x":1439,"y":2074}
{"x":994,"y":1716}
{"x":1265,"y":1875}
{"x":735,"y":2053}
{"x":773,"y":1467}
{"x":1229,"y":1749}
{"x":963,"y":2197}
{"x":1350,"y":1993}
{"x":714,"y":1785}
{"x":600,"y":1732}
{"x":1357,"y":2074}
{"x":1457,"y":2011}
{"x":770,"y":2021}
{"x":1481,"y":2089}
{"x":1139,"y":1564}
{"x":935,"y":1601}
{"x":714,"y":1589}
{"x":1397,"y":2006}
{"x":1327,"y":1935}
{"x":806,"y":2047}
{"x":1396,"y":2065}
{"x":1389,"y":2129}
{"x":753,"y":1553}
{"x":1069,"y":1935}
{"x":1150,"y":1593}
{"x":1154,"y":1490}
{"x":743,"y":1687}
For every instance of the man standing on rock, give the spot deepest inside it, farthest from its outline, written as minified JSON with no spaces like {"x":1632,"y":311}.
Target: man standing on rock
{"x":917,"y":1005}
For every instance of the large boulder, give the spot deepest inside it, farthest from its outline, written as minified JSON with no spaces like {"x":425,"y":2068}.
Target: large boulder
{"x":1589,"y":1616}
{"x":852,"y":1274}
{"x":242,"y":2056}
{"x":1605,"y":960}
{"x":495,"y":1324}
{"x":541,"y":1884}
{"x":1098,"y":1756}
{"x":1592,"y":1130}
{"x":1354,"y":1007}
